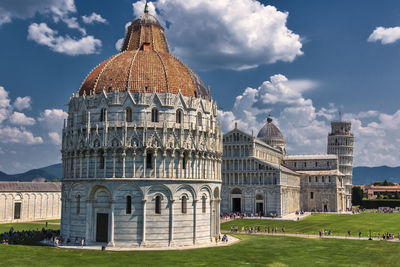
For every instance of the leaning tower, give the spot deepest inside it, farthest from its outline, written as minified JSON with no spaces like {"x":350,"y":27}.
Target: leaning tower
{"x":340,"y":142}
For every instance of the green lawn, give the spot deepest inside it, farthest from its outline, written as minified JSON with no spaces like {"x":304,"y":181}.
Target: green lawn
{"x":253,"y":250}
{"x":25,"y":226}
{"x":337,"y":223}
{"x":52,"y":221}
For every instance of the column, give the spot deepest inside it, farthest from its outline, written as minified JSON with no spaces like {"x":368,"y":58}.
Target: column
{"x":180,"y":165}
{"x":211,"y":220}
{"x":113,"y":157}
{"x":80,"y":165}
{"x":111,"y":243}
{"x":95,"y":165}
{"x":173,"y":163}
{"x":87,"y":164}
{"x":217,"y":216}
{"x":196,"y":165}
{"x":123,"y":163}
{"x":194,"y":220}
{"x":105,"y":165}
{"x":144,"y":163}
{"x":143,"y":243}
{"x":134,"y":163}
{"x":69,"y":217}
{"x":171,"y":222}
{"x":88,"y":220}
{"x":164,"y":156}
{"x":155,"y":163}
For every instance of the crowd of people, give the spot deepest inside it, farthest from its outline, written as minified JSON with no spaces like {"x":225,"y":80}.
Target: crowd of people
{"x":256,"y":229}
{"x":27,"y":237}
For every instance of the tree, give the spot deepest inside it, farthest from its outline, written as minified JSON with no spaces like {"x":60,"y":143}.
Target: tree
{"x":379,"y":196}
{"x":397,"y":195}
{"x":356,"y":195}
{"x":55,"y":180}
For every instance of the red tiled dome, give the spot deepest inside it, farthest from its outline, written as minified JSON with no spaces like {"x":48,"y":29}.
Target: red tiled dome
{"x":144,"y":65}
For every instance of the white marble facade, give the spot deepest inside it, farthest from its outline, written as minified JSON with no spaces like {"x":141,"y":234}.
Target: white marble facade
{"x":118,"y":161}
{"x":29,"y":201}
{"x":258,"y":176}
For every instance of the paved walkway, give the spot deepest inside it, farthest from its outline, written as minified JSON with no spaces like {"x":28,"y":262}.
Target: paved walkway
{"x":231,"y":240}
{"x":314,"y":236}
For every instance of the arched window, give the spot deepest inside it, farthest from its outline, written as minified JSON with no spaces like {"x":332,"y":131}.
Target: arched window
{"x":154,"y":115}
{"x":184,"y":204}
{"x":128,"y":205}
{"x":179,"y":116}
{"x":158,"y":205}
{"x":83,"y":117}
{"x":203,"y":204}
{"x":149,"y":161}
{"x":128,"y":112}
{"x":101,"y":161}
{"x":103,"y":114}
{"x":199,"y":119}
{"x":78,"y":204}
{"x":184,"y":162}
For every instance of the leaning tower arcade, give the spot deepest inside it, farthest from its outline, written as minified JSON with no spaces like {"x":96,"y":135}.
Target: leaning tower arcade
{"x":341,"y":142}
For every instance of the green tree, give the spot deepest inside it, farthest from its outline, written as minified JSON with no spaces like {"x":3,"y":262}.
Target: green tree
{"x":356,"y":195}
{"x":379,"y":195}
{"x":55,"y":180}
{"x":397,"y":195}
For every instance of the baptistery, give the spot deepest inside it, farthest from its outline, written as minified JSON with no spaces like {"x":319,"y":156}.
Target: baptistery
{"x":142,"y":149}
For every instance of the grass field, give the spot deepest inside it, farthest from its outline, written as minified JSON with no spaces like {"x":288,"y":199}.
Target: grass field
{"x":338,"y":224}
{"x":253,"y":250}
{"x":25,"y":226}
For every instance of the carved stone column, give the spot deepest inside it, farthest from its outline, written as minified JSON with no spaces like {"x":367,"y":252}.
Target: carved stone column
{"x":172,"y":169}
{"x":164,"y":155}
{"x":87,"y":163}
{"x":143,"y":243}
{"x":114,"y":155}
{"x":194,"y":220}
{"x":171,"y":222}
{"x":105,"y":164}
{"x":134,"y":163}
{"x":112,"y":226}
{"x":88,"y":221}
{"x":123,"y":163}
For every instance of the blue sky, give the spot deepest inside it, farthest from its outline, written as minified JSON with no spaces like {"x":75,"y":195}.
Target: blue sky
{"x":300,"y":61}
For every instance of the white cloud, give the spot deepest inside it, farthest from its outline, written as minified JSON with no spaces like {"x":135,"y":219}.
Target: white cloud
{"x":385,"y":35}
{"x":377,"y":134}
{"x":22,"y":103}
{"x":18,"y":135}
{"x":55,"y":138}
{"x":53,"y":119}
{"x":232,"y":34}
{"x":119,"y":44}
{"x":5,"y":108}
{"x":93,"y":18}
{"x":18,"y":118}
{"x":24,"y":9}
{"x":43,"y":35}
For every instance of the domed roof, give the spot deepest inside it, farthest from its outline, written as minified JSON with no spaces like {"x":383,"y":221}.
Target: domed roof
{"x":269,"y":132}
{"x":144,"y":65}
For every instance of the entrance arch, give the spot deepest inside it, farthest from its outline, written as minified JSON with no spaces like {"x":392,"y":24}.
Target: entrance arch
{"x":101,"y":213}
{"x":236,"y":200}
{"x":260,"y":204}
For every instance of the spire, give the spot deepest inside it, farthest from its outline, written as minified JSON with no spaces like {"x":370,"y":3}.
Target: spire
{"x":269,"y":119}
{"x":146,"y":8}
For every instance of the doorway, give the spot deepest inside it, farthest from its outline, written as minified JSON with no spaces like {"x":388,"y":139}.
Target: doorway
{"x":325,"y":207}
{"x":236,"y":204}
{"x":102,"y":227}
{"x":259,"y":208}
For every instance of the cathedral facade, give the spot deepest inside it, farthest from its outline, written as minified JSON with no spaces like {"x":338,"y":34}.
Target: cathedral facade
{"x":142,"y":150}
{"x":258,"y":176}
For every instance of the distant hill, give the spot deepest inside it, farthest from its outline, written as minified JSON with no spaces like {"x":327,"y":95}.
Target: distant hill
{"x":361,"y":175}
{"x":48,"y":173}
{"x":368,"y":175}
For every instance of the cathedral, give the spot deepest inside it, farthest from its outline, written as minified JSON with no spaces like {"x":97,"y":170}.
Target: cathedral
{"x":142,"y":149}
{"x":259,"y":177}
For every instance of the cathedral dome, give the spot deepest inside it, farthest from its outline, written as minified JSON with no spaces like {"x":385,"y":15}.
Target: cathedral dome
{"x":144,"y":65}
{"x":271,"y":135}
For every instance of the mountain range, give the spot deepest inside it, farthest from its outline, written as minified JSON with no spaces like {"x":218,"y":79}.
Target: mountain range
{"x":361,"y":175}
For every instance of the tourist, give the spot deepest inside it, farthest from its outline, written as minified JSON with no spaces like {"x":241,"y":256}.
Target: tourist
{"x":283,"y":229}
{"x":359,"y":234}
{"x":82,"y":241}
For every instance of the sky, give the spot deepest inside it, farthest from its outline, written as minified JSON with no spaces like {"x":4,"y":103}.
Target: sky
{"x":302,"y":62}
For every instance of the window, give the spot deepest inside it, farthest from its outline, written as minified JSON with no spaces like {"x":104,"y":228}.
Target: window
{"x":199,"y":119}
{"x":203,"y":204}
{"x":103,"y":114}
{"x":17,"y":210}
{"x":128,"y":113}
{"x":158,"y":205}
{"x":305,"y":164}
{"x":101,"y":161}
{"x":78,"y":204}
{"x":316,"y":179}
{"x":184,"y":204}
{"x":323,"y":179}
{"x":295,"y":164}
{"x":179,"y":116}
{"x":312,"y":195}
{"x":329,"y":179}
{"x":309,"y":179}
{"x":327,"y":163}
{"x":184,"y":162}
{"x":83,"y":117}
{"x":149,"y":161}
{"x":316,"y":164}
{"x":154,"y":115}
{"x":128,"y":205}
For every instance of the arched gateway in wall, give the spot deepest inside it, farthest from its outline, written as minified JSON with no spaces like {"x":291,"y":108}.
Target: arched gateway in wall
{"x":142,"y":150}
